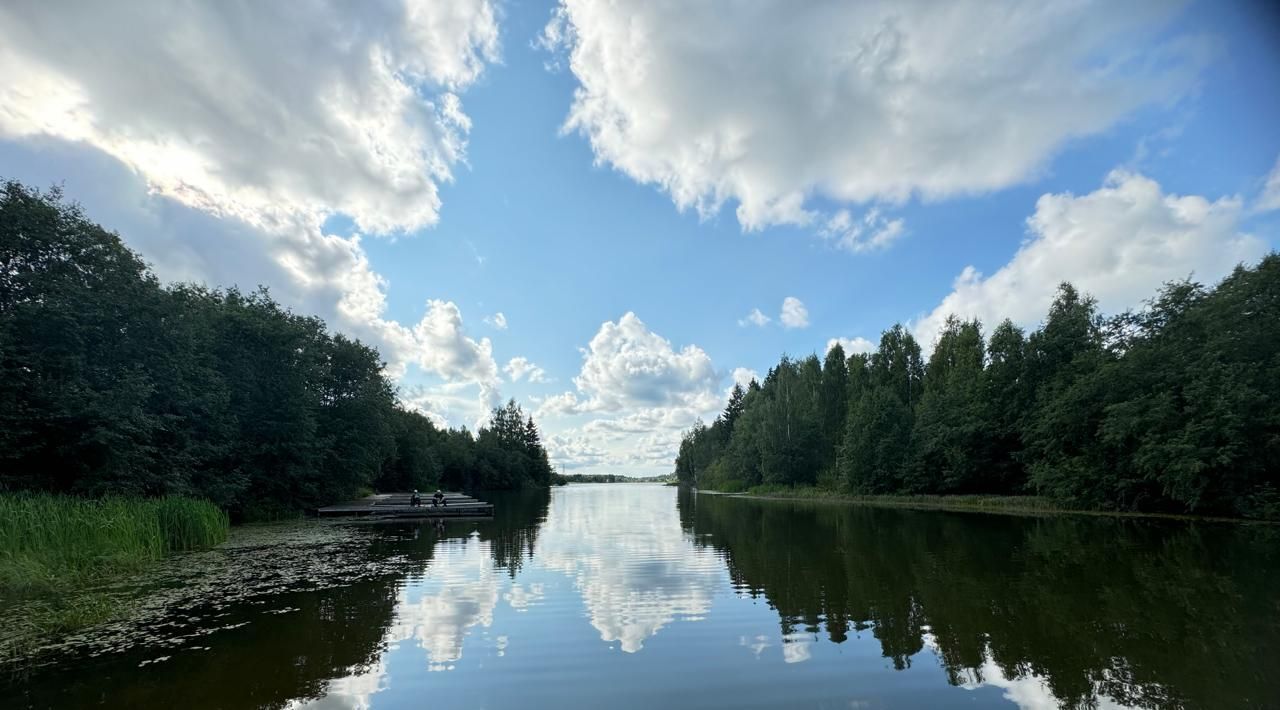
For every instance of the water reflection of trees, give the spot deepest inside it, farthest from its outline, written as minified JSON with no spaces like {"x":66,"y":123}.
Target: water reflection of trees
{"x":517,"y":517}
{"x":458,"y":584}
{"x":1148,"y":613}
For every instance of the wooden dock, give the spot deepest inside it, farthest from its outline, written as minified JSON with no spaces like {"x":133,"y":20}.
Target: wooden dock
{"x":396,"y":505}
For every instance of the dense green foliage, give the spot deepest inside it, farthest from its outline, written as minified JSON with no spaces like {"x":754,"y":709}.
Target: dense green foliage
{"x":1171,"y":408}
{"x":47,"y":541}
{"x":114,"y":384}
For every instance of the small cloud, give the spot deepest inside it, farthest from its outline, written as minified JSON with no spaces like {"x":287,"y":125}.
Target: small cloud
{"x":497,"y":320}
{"x":851,"y":345}
{"x":744,"y":375}
{"x":475,"y":253}
{"x":873,"y":232}
{"x":795,"y":649}
{"x":521,"y":368}
{"x":794,"y":314}
{"x":1158,"y":144}
{"x":756,"y":318}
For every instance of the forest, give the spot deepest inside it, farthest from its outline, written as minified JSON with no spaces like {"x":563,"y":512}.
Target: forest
{"x":112,"y":383}
{"x":1172,"y":407}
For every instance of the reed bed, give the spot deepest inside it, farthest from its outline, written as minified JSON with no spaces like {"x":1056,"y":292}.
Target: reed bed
{"x":51,"y":541}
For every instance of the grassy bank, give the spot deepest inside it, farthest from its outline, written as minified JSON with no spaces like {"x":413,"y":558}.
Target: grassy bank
{"x":1020,"y":504}
{"x":978,"y":503}
{"x":54,"y":549}
{"x":49,"y":541}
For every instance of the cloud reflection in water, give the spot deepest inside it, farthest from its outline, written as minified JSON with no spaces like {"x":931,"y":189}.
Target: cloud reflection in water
{"x":630,"y":561}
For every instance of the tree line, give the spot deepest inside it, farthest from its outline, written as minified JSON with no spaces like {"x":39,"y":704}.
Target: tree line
{"x":1173,"y":407}
{"x":610,"y":478}
{"x":113,"y":383}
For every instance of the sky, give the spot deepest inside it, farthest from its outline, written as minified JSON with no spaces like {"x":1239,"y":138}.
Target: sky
{"x":613,"y":211}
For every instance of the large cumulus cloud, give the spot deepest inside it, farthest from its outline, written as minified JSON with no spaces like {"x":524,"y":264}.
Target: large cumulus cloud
{"x":768,"y":104}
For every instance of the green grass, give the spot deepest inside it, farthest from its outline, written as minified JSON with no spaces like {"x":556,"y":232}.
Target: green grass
{"x":994,"y":503}
{"x":982,"y":503}
{"x":54,"y":551}
{"x":50,"y":542}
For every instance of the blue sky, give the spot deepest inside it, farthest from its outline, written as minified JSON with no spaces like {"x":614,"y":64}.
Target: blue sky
{"x":410,"y":172}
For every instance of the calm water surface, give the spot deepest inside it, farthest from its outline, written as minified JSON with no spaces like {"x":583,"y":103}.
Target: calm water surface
{"x":637,"y":596}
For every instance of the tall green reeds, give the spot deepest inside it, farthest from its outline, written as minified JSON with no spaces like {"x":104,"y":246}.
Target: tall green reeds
{"x":47,"y":541}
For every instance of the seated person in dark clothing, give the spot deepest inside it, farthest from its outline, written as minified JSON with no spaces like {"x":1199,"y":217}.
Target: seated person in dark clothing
{"x":438,"y":499}
{"x":415,"y":500}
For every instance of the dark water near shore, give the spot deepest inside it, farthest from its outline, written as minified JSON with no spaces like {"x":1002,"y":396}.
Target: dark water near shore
{"x":638,"y":596}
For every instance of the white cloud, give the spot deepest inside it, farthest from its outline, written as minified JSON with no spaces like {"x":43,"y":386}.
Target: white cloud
{"x":851,"y":345}
{"x":219,"y":138}
{"x":1119,"y":243}
{"x":647,"y":437}
{"x":744,"y":375}
{"x":257,"y":110}
{"x":442,"y":348}
{"x":450,"y":404}
{"x":628,"y":366}
{"x":641,"y":441}
{"x":768,"y":105}
{"x":497,"y":320}
{"x":1269,"y":199}
{"x":641,"y":393}
{"x":873,"y":232}
{"x":756,"y":318}
{"x":428,"y":402}
{"x":574,"y":451}
{"x":520,"y":367}
{"x":794,"y":314}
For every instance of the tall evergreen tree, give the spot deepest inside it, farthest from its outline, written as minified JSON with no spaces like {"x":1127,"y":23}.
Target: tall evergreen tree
{"x":732,"y":410}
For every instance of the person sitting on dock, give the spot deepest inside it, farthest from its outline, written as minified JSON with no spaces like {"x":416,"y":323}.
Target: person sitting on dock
{"x":438,"y":500}
{"x":415,"y":500}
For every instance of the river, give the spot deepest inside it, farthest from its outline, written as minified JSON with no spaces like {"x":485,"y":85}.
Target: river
{"x":643,"y":596}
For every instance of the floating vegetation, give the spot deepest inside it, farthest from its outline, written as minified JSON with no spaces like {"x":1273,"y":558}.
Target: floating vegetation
{"x":186,"y":598}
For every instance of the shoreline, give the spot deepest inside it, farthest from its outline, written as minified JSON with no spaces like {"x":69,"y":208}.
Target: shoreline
{"x":1000,"y":505}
